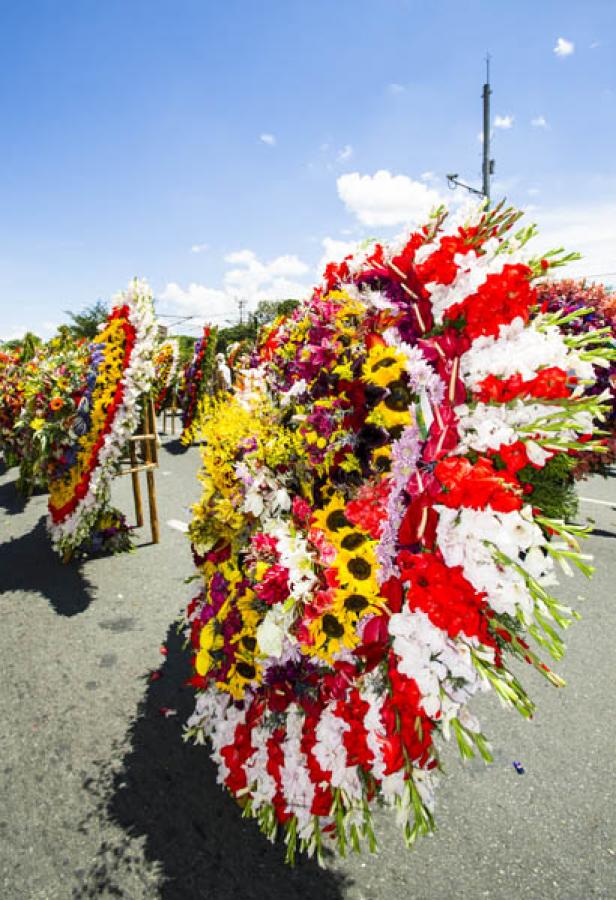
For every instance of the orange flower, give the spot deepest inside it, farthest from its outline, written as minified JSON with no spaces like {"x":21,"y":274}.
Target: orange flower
{"x":56,"y":403}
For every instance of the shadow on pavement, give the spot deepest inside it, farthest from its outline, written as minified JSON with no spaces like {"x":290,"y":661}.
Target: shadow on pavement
{"x":11,"y":500}
{"x":601,"y":532}
{"x":28,"y":563}
{"x":175,"y":447}
{"x":195,"y":839}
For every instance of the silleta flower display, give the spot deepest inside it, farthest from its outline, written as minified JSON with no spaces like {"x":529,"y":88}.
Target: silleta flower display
{"x":195,"y":380}
{"x":165,"y":369}
{"x":120,"y":371}
{"x":371,"y":541}
{"x":590,"y":311}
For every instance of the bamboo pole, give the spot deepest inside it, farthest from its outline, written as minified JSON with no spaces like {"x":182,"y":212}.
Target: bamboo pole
{"x":136,"y":486}
{"x":150,"y":458}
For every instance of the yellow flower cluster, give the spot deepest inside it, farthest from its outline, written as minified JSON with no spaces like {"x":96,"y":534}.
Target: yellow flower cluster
{"x":227,"y":426}
{"x":112,"y":341}
{"x":240,"y":650}
{"x":357,"y":594}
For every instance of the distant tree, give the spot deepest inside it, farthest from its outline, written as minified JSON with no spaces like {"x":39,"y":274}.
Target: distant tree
{"x":268,"y":310}
{"x":13,"y":344}
{"x":30,"y":344}
{"x":85,"y":324}
{"x":186,"y":343}
{"x":228,"y":336}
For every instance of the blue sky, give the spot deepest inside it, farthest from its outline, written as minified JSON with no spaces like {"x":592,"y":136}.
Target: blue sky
{"x":204,"y":145}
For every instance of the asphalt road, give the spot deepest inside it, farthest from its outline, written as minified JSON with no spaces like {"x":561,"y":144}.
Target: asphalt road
{"x":99,"y":796}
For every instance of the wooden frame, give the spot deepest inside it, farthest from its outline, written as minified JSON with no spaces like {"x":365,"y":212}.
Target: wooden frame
{"x":173,"y":413}
{"x":146,"y":440}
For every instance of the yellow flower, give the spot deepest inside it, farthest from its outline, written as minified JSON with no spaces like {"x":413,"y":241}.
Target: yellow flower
{"x":246,"y":641}
{"x":37,"y":424}
{"x":355,"y":604}
{"x":331,"y":520}
{"x":357,"y":568}
{"x":209,"y":641}
{"x":386,"y":417}
{"x":330,"y":633}
{"x":383,"y":365}
{"x":381,"y":458}
{"x":242,"y":673}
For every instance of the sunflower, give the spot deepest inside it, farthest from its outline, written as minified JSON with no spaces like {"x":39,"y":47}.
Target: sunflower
{"x":357,"y":569}
{"x":331,"y":520}
{"x":330,"y":633}
{"x":352,"y":540}
{"x":250,"y":608}
{"x":56,"y":403}
{"x":381,"y":459}
{"x":243,"y":672}
{"x":387,"y":417}
{"x":355,"y":604}
{"x":246,"y":641}
{"x":383,"y":365}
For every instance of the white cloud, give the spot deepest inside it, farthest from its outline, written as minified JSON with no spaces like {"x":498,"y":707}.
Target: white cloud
{"x":345,"y":154}
{"x":533,"y":191}
{"x":43,"y":329}
{"x":503,"y":122}
{"x":13,"y":332}
{"x":334,"y":251}
{"x":199,"y":248}
{"x":267,"y":138}
{"x":591,"y":230}
{"x":564,"y":47}
{"x":594,"y":45}
{"x":395,"y":88}
{"x":241,"y":257}
{"x":197,"y":300}
{"x":249,"y":278}
{"x":386,"y":199}
{"x":539,"y":122}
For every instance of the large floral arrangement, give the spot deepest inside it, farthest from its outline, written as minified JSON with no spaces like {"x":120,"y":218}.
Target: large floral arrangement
{"x":165,"y":369}
{"x":12,"y":373}
{"x":196,"y":379}
{"x":53,"y":384}
{"x":590,"y":311}
{"x":371,"y":538}
{"x":107,"y":412}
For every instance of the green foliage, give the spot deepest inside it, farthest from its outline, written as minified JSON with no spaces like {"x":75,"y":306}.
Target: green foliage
{"x":10,"y":346}
{"x":85,"y":324}
{"x":554,"y":488}
{"x":228,"y":336}
{"x":30,"y":344}
{"x":266,"y":311}
{"x":186,"y":344}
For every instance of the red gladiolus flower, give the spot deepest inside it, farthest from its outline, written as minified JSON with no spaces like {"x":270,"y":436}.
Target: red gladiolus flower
{"x":477,"y":485}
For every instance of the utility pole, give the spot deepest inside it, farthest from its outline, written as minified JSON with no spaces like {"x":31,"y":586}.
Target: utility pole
{"x":487,"y":166}
{"x":241,"y":306}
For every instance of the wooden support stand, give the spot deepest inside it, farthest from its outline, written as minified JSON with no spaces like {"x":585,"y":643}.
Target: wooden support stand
{"x":171,"y":413}
{"x":145,"y":461}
